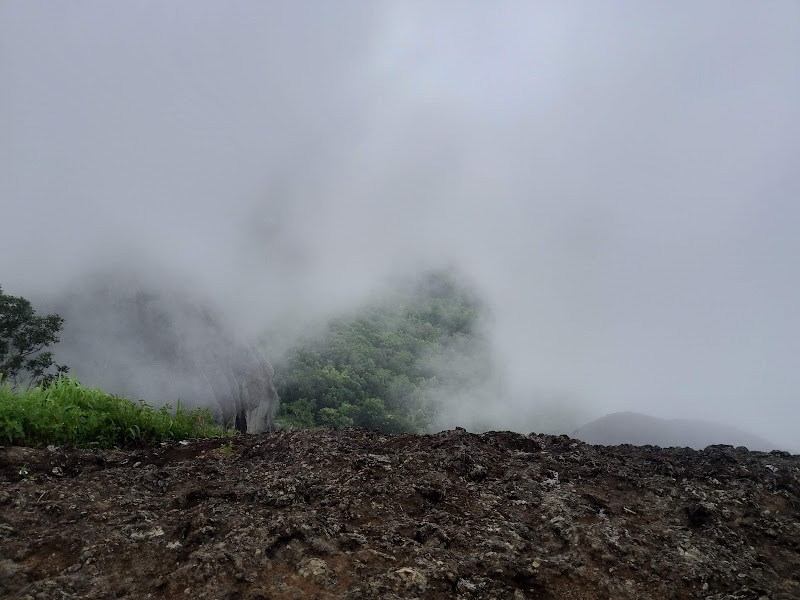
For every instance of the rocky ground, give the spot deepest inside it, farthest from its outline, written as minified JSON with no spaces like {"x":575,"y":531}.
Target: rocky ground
{"x":357,"y":514}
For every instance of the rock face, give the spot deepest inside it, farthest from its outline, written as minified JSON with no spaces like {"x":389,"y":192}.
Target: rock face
{"x":357,"y":514}
{"x":641,"y":430}
{"x":240,"y":376}
{"x":165,"y":347}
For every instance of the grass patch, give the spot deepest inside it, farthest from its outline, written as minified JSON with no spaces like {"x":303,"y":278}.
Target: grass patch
{"x":66,"y":413}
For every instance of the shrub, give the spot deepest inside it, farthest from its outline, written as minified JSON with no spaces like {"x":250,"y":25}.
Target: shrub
{"x":65,"y":412}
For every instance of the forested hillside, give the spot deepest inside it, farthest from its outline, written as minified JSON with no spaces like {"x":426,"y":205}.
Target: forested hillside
{"x":384,"y":365}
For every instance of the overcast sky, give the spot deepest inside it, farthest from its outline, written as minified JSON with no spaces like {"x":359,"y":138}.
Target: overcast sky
{"x":621,"y":179}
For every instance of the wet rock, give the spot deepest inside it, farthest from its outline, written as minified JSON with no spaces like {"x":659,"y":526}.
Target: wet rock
{"x":12,"y":576}
{"x":700,"y":514}
{"x":406,"y":581}
{"x":318,"y":571}
{"x":356,"y":514}
{"x":477,"y":473}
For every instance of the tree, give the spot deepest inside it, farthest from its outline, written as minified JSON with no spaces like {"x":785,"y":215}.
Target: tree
{"x":387,"y":365}
{"x":24,"y":337}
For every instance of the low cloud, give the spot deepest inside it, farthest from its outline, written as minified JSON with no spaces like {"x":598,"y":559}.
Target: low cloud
{"x":619,"y":181}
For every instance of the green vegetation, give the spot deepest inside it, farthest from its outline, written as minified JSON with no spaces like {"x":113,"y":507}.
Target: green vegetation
{"x":64,"y":412}
{"x":384,"y":366}
{"x":59,"y":410}
{"x":377,"y":367}
{"x":24,"y":336}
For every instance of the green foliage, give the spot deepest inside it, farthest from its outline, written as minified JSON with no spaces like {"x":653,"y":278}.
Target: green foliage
{"x":67,"y":413}
{"x":23,"y":338}
{"x":374,"y":368}
{"x":336,"y":418}
{"x":372,"y":413}
{"x":227,"y":450}
{"x":298,"y":415}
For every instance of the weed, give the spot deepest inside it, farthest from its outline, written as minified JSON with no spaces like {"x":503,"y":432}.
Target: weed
{"x":67,"y":413}
{"x":227,"y":449}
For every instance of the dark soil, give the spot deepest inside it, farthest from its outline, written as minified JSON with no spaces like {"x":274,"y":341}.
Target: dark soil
{"x":357,"y":514}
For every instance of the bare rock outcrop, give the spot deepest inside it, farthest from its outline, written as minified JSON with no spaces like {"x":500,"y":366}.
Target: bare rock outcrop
{"x":356,"y":514}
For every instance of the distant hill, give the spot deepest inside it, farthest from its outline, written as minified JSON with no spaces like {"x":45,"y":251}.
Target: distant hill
{"x":640,"y":430}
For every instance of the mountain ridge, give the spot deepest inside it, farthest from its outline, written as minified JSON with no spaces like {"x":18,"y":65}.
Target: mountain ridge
{"x":640,"y":429}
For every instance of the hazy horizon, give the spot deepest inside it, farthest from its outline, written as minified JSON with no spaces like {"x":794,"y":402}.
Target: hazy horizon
{"x":619,"y":181}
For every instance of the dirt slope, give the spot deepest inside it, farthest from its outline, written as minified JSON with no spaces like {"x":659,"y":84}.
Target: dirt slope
{"x":356,"y":514}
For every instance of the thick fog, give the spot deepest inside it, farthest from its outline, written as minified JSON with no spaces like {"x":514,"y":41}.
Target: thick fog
{"x":619,"y":180}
